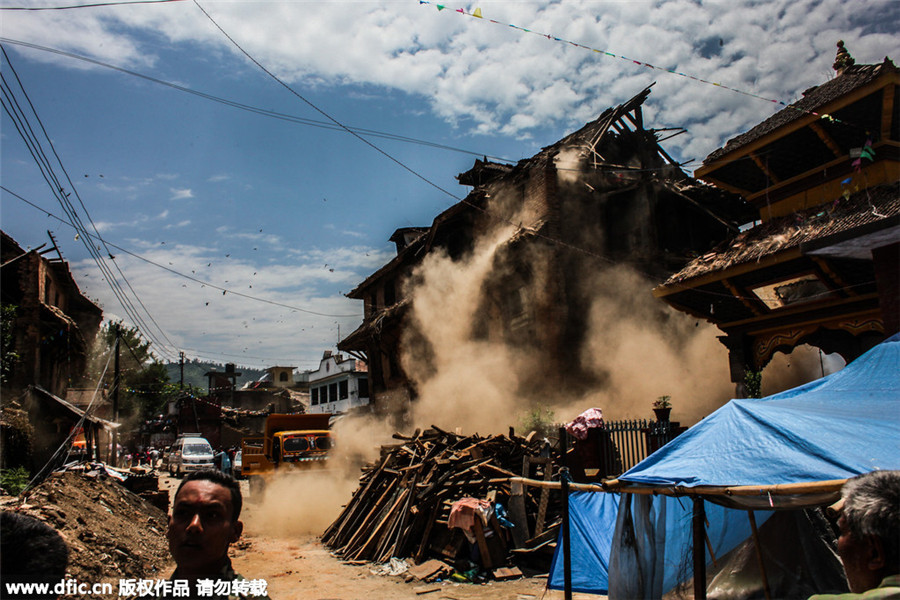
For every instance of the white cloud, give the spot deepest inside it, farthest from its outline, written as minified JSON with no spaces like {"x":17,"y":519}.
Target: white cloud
{"x":498,"y":79}
{"x":270,"y":302}
{"x":483,"y":78}
{"x":179,"y":224}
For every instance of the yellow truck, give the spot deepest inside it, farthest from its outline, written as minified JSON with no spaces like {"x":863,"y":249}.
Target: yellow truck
{"x":289,"y":442}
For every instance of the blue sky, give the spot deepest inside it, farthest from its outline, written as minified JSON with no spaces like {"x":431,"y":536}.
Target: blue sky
{"x":287,"y":217}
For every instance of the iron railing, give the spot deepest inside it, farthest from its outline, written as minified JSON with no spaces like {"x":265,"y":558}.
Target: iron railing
{"x":619,"y":445}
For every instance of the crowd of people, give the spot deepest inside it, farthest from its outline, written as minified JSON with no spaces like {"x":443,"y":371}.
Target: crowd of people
{"x":155,"y":458}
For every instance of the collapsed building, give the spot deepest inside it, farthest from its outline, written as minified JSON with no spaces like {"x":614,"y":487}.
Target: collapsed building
{"x":605,"y":195}
{"x":822,"y":266}
{"x":52,"y":326}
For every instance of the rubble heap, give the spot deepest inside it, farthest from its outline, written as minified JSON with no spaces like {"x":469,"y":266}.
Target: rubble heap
{"x":111,"y":532}
{"x":402,"y":506}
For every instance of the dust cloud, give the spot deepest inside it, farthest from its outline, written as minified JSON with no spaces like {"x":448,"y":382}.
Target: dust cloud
{"x":636,"y":347}
{"x":645,"y":350}
{"x":467,"y":383}
{"x":804,"y":364}
{"x":307,"y":501}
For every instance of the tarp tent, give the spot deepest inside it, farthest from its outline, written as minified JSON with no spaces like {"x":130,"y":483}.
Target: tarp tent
{"x":836,"y":427}
{"x":592,"y":519}
{"x":825,"y":431}
{"x":750,"y":452}
{"x":663,"y":534}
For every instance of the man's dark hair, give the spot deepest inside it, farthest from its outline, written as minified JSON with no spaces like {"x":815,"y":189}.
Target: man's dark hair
{"x":222,"y":479}
{"x":872,"y":507}
{"x":30,"y":551}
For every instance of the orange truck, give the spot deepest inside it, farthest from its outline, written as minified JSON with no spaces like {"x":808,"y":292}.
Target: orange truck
{"x":289,"y":442}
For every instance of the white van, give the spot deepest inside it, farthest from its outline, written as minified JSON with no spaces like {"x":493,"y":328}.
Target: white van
{"x":190,"y":453}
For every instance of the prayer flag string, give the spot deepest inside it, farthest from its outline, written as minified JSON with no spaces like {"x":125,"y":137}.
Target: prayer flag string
{"x":479,"y":15}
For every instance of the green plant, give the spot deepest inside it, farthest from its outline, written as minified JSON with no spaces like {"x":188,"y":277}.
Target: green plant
{"x":663,"y":402}
{"x":753,"y":383}
{"x":14,"y":481}
{"x":539,"y":420}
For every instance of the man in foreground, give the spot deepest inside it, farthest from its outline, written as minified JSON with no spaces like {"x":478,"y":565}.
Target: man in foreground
{"x":869,"y":542}
{"x":205,"y":521}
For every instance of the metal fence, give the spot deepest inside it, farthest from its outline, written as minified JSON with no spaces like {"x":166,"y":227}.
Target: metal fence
{"x":620,"y":445}
{"x":633,"y":441}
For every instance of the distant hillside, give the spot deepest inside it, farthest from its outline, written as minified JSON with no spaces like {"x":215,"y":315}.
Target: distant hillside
{"x":195,"y":373}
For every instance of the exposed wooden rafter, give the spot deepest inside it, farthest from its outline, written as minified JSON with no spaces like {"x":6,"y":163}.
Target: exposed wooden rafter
{"x":743,"y":297}
{"x":827,"y":139}
{"x":764,"y":168}
{"x":832,"y":276}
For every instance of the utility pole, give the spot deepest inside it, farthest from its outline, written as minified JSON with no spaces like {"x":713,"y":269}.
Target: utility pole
{"x":181,"y":361}
{"x":115,"y":400}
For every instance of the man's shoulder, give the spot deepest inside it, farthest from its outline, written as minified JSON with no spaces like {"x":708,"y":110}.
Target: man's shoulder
{"x":888,"y":590}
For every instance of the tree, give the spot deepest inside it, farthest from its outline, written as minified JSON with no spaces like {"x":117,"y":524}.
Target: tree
{"x":144,"y":383}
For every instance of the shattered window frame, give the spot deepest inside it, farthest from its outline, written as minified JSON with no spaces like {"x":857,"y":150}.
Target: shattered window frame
{"x":791,"y":291}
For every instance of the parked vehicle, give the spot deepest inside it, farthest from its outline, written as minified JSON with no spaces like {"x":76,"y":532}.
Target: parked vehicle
{"x":190,"y":452}
{"x":236,"y":465}
{"x":290,"y":442}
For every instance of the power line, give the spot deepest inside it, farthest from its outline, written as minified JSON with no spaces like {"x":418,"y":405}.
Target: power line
{"x":478,"y":15}
{"x":24,"y":128}
{"x":254,"y":109}
{"x":358,"y":134}
{"x":96,"y":5}
{"x":180,"y":274}
{"x":384,"y":153}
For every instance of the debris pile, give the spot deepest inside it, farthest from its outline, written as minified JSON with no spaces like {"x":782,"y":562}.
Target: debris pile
{"x":402,"y":506}
{"x":146,"y":485}
{"x":111,"y":532}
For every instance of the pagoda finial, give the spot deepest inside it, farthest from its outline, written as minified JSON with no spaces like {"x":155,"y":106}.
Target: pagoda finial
{"x":843,"y":60}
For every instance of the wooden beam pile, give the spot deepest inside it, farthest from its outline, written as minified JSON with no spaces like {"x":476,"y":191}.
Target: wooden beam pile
{"x":403,"y":502}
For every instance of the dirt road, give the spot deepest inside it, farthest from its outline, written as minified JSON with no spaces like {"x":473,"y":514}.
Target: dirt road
{"x":301,"y":568}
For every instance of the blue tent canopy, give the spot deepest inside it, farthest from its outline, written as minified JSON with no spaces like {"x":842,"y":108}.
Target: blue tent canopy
{"x":835,"y":427}
{"x":592,"y":520}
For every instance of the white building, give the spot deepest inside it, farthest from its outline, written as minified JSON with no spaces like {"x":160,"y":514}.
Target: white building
{"x":338,"y":385}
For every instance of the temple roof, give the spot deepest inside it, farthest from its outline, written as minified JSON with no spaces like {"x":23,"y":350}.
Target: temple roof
{"x":850,"y":79}
{"x":875,"y":207}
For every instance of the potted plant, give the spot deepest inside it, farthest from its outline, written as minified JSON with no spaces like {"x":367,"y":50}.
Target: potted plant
{"x":662,"y":406}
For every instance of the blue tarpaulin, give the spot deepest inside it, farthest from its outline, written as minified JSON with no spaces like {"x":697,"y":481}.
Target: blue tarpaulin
{"x":662,"y":535}
{"x":592,"y":520}
{"x":833,"y":428}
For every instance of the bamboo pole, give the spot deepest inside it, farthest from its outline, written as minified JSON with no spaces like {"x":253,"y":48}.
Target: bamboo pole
{"x":699,"y":550}
{"x":759,"y":556}
{"x":780,"y":489}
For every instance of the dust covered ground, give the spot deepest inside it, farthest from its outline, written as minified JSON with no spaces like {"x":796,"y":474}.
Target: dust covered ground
{"x":297,"y":566}
{"x":113,"y":534}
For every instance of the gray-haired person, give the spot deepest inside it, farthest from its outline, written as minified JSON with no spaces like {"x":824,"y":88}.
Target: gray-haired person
{"x":869,"y":542}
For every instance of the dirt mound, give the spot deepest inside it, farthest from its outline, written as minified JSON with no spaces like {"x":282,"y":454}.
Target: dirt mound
{"x":111,"y":532}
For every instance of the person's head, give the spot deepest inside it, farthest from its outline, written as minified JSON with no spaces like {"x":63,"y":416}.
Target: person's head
{"x":205,"y":521}
{"x":30,"y":551}
{"x":869,"y":542}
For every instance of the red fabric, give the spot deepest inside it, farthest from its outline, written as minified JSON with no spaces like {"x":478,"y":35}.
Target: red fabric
{"x":462,"y":513}
{"x":590,"y":419}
